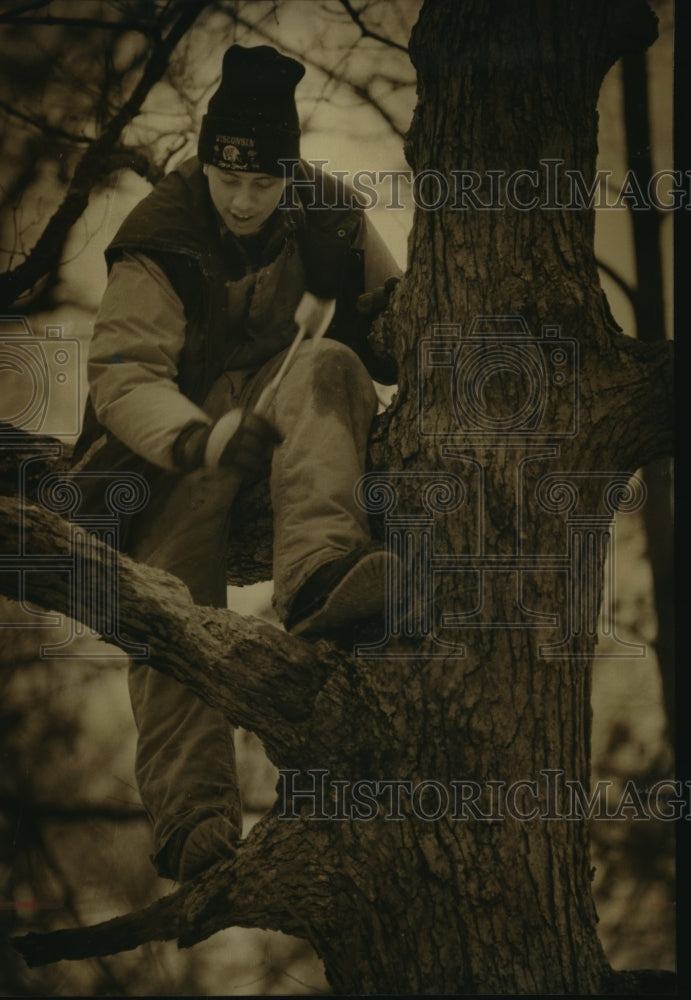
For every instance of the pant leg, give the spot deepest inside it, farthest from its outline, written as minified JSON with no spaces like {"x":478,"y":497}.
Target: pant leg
{"x":185,"y":762}
{"x":185,"y":759}
{"x":324,"y":408}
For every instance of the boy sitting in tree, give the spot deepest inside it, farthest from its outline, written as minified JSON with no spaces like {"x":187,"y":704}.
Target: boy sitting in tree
{"x":205,"y":277}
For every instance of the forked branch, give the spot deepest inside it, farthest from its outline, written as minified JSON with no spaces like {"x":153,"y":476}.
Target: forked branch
{"x":264,"y":885}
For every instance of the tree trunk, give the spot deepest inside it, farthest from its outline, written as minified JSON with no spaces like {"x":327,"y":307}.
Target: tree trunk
{"x":543,"y":454}
{"x":426,"y":837}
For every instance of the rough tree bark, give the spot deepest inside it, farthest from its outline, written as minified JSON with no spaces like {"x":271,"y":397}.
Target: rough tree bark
{"x":501,"y":462}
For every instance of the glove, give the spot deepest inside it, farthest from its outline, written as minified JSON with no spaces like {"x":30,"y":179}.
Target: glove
{"x":372,"y":303}
{"x":239,"y":440}
{"x":243,"y":442}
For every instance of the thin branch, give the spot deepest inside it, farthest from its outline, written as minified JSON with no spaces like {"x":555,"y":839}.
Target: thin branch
{"x":360,"y":91}
{"x":634,"y":402}
{"x":90,"y":168}
{"x":76,"y":813}
{"x":136,"y":160}
{"x":161,"y":921}
{"x":80,"y":22}
{"x":44,"y":126}
{"x":367,"y":32}
{"x":364,"y":94}
{"x":26,"y":8}
{"x":618,"y":280}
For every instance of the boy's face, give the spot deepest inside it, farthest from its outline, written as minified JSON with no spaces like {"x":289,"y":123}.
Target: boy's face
{"x":243,"y":200}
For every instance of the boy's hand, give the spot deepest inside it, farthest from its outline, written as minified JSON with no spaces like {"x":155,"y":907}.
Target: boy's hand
{"x":375,"y":302}
{"x":241,"y":441}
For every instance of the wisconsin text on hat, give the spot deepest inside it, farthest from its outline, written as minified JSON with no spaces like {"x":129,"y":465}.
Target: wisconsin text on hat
{"x":235,"y":140}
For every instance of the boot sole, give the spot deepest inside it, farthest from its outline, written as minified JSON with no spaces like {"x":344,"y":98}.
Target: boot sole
{"x":360,"y":594}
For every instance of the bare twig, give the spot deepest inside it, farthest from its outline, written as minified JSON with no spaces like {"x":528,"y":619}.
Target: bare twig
{"x":360,"y":91}
{"x":45,"y":127}
{"x":74,"y":813}
{"x":50,"y":20}
{"x":367,"y":32}
{"x":91,"y":167}
{"x":621,"y":283}
{"x":26,"y":8}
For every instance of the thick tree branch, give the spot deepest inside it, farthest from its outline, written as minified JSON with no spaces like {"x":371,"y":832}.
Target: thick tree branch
{"x":45,"y":453}
{"x":265,"y":885}
{"x":275,"y":882}
{"x":296,"y":696}
{"x":260,"y":677}
{"x":161,"y":921}
{"x":633,"y":402}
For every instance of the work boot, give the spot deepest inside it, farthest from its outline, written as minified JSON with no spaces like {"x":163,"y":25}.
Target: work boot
{"x":343,"y":592}
{"x":191,"y":852}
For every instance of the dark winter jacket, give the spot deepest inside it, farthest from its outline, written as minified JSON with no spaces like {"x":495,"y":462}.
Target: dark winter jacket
{"x":225,"y":317}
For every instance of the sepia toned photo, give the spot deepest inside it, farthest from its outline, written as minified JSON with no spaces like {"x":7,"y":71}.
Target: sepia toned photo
{"x":337,"y":631}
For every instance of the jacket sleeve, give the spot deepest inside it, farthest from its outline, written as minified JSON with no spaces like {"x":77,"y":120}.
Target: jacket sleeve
{"x":132,"y":364}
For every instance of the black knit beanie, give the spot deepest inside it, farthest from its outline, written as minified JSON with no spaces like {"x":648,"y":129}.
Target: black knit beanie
{"x":252,"y":121}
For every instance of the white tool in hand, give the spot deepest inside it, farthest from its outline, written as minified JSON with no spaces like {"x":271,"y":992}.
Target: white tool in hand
{"x":313,"y":317}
